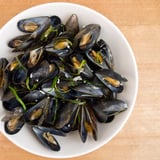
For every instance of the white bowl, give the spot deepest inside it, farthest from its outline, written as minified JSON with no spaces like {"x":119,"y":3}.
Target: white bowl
{"x":71,"y":146}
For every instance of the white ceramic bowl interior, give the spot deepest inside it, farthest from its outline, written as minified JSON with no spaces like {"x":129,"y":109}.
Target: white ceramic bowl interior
{"x":125,"y":64}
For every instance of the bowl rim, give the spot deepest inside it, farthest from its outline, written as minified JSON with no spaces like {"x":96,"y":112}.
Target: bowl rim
{"x":131,"y":54}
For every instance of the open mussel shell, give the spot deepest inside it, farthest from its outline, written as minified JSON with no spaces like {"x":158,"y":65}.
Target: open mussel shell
{"x":12,"y":65}
{"x":43,"y":72}
{"x":16,"y":71}
{"x":101,"y":58}
{"x":60,"y":46}
{"x":20,"y":43}
{"x":36,"y":25}
{"x":105,"y":110}
{"x":52,"y":32}
{"x":38,"y":112}
{"x":86,"y":91}
{"x":107,"y":93}
{"x":58,"y":87}
{"x":80,"y":67}
{"x":51,"y":130}
{"x":102,"y":48}
{"x":87,"y":123}
{"x":64,"y":71}
{"x":67,"y":116}
{"x":34,"y":56}
{"x":87,"y":36}
{"x":111,"y":79}
{"x":97,"y":59}
{"x":46,"y":137}
{"x":63,"y":88}
{"x":14,"y":124}
{"x":53,"y":107}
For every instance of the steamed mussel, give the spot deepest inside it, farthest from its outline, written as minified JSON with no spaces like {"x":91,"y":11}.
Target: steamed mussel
{"x":46,"y":137}
{"x":14,"y":124}
{"x":62,"y":80}
{"x":14,"y":121}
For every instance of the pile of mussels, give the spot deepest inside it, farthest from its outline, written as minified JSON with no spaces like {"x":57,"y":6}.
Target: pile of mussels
{"x":62,"y":79}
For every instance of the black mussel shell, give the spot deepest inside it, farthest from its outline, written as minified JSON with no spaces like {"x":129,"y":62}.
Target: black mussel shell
{"x":66,"y":117}
{"x":14,"y":124}
{"x":11,"y":104}
{"x":72,"y":24}
{"x":86,"y":91}
{"x":51,"y":130}
{"x":20,"y":43}
{"x":34,"y":56}
{"x":33,"y":97}
{"x":110,"y":119}
{"x":9,"y":101}
{"x":36,"y":25}
{"x":80,"y":67}
{"x":114,"y":107}
{"x":44,"y":72}
{"x":87,"y":36}
{"x":37,"y":113}
{"x":55,"y":20}
{"x":81,"y":127}
{"x":48,"y":88}
{"x":108,"y":94}
{"x":108,"y":56}
{"x":60,"y":46}
{"x":100,"y":56}
{"x":99,"y":44}
{"x":45,"y":136}
{"x":71,"y":125}
{"x":19,"y":75}
{"x":51,"y":33}
{"x":111,"y":79}
{"x":64,"y":71}
{"x":97,"y":59}
{"x":87,"y":123}
{"x":105,"y":110}
{"x":92,"y":122}
{"x":68,"y":35}
{"x":53,"y":108}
